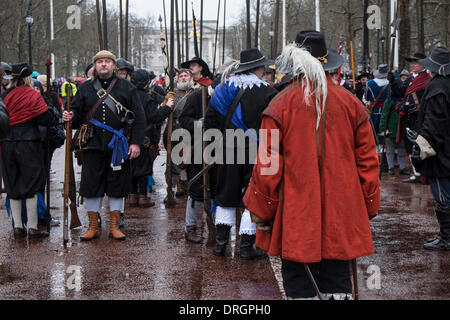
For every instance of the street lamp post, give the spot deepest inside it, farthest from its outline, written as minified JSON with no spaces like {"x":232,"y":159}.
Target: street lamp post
{"x":29,"y":20}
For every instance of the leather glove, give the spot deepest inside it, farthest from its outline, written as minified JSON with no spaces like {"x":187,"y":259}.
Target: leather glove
{"x":391,"y":77}
{"x":170,"y":95}
{"x":415,"y":155}
{"x":412,"y":135}
{"x":262,"y":225}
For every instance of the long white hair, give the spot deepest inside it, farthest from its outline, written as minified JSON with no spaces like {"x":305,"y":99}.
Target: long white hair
{"x":300,"y":63}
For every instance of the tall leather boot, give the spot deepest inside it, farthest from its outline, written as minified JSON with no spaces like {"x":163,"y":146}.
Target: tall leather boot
{"x":442,"y":241}
{"x":222,"y":237}
{"x":93,"y":231}
{"x":133,"y":200}
{"x":114,"y":231}
{"x":191,"y":235}
{"x":181,"y":188}
{"x":145,"y":202}
{"x":247,"y":250}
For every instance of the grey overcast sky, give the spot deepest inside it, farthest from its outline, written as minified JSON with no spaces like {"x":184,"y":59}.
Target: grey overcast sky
{"x":154,"y":8}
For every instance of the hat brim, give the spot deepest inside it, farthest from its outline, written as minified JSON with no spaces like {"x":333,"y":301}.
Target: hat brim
{"x":434,"y":67}
{"x":205,"y":72}
{"x":334,"y":61}
{"x":254,"y":65}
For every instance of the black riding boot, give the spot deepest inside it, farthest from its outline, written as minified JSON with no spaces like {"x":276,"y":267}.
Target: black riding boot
{"x":247,"y":250}
{"x":442,"y":241}
{"x":222,"y":236}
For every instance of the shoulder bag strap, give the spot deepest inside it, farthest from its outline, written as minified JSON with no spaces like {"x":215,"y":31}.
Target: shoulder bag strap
{"x":233,"y":108}
{"x":103,"y":95}
{"x":416,"y":99}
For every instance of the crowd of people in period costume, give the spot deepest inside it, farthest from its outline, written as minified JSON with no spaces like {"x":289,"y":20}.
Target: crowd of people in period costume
{"x":325,"y":133}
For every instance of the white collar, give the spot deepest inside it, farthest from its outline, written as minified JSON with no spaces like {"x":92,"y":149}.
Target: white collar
{"x":245,"y":81}
{"x":381,"y":82}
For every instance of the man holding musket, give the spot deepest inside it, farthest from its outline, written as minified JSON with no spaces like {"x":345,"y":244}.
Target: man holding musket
{"x":109,"y":114}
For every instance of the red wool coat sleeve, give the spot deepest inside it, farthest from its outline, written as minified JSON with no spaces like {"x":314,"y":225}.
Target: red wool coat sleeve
{"x":367,"y":168}
{"x":263,"y":194}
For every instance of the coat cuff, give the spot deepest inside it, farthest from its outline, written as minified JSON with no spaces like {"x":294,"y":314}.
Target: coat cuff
{"x":259,"y":204}
{"x":426,"y":150}
{"x":373,"y":203}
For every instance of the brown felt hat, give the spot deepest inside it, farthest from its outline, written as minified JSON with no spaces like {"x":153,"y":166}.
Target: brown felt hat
{"x":105,"y":55}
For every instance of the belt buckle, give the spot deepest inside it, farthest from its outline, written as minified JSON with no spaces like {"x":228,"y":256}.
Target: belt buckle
{"x":102,"y":93}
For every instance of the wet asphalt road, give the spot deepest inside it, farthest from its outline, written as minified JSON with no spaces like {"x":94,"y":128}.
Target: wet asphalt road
{"x":156,"y":263}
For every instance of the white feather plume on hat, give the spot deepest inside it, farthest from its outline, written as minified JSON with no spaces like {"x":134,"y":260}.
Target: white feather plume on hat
{"x":300,"y":63}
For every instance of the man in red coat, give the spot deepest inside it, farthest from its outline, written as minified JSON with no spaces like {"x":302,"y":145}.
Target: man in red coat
{"x":314,"y":190}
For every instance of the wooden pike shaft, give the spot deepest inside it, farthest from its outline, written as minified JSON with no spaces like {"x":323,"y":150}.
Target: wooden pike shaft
{"x":353,"y":65}
{"x":99,"y":24}
{"x":67,"y":169}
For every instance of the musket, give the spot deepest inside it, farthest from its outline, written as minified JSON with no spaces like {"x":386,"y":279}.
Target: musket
{"x":67,"y":168}
{"x":74,"y":219}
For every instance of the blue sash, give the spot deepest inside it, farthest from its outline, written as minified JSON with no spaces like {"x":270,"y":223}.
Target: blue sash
{"x":118,"y":144}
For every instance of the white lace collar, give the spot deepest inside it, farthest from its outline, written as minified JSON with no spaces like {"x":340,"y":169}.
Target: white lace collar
{"x":245,"y":81}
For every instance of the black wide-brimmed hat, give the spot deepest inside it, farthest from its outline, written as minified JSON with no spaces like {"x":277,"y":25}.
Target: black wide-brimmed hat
{"x":315,"y":43}
{"x":416,"y":57}
{"x":205,"y":72}
{"x":251,"y":59}
{"x":438,"y":62}
{"x":363,"y":74}
{"x":6,"y":67}
{"x":20,"y":70}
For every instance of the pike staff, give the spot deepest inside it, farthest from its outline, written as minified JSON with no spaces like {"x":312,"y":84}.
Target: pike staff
{"x":48,"y":63}
{"x":215,"y":43}
{"x":99,"y":24}
{"x":170,"y":197}
{"x":194,"y":23}
{"x":67,"y":168}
